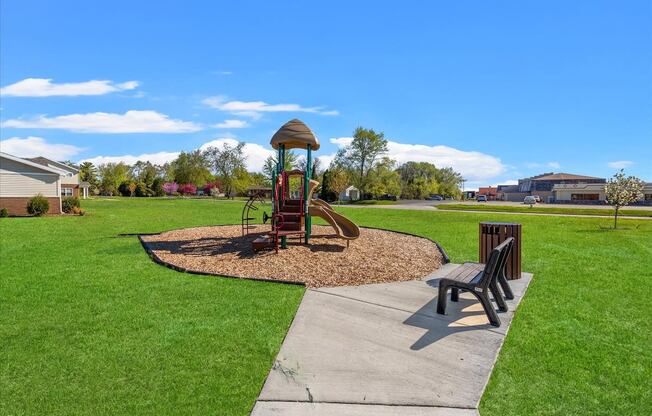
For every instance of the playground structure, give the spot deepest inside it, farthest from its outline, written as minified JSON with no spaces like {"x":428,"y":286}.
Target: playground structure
{"x":293,"y":205}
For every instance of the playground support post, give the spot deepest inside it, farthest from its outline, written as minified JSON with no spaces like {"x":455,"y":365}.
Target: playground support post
{"x":280,"y":165}
{"x":306,"y":180}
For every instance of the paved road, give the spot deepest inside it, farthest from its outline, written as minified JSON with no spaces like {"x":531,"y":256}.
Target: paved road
{"x":433,"y":206}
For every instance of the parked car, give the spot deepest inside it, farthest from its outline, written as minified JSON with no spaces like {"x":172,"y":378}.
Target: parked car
{"x":530,"y":200}
{"x":481,"y":198}
{"x":435,"y":198}
{"x":537,"y":198}
{"x":387,"y":197}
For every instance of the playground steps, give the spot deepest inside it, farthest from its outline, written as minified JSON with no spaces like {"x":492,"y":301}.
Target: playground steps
{"x":285,"y":233}
{"x":262,"y":242}
{"x":293,"y":209}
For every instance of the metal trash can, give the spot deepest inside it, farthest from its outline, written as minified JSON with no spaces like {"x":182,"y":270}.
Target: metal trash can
{"x":494,"y":233}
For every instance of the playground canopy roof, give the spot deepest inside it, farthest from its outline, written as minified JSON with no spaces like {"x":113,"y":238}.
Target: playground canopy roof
{"x":295,"y":135}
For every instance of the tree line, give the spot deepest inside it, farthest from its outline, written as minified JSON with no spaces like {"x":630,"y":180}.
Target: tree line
{"x":222,"y":171}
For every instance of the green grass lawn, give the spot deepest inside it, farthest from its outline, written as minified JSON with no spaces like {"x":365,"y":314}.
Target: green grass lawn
{"x":89,"y":325}
{"x":545,"y":209}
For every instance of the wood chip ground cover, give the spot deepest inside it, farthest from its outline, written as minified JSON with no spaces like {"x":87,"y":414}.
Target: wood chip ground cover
{"x":377,"y":256}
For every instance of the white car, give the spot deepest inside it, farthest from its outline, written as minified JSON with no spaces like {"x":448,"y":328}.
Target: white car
{"x":530,"y":200}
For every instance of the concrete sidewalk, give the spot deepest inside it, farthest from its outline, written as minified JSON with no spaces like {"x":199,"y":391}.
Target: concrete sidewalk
{"x":381,"y":349}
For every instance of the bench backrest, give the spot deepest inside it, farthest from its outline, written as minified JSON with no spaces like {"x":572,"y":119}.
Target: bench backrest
{"x":497,"y":261}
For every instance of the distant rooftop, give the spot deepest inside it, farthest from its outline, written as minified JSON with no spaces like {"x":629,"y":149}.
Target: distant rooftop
{"x":46,"y":162}
{"x":562,"y":177}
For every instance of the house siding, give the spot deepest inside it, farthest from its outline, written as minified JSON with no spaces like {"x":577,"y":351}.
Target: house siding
{"x":20,"y":182}
{"x":28,"y":184}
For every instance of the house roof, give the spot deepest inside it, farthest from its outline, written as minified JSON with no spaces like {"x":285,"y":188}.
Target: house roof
{"x":562,"y":177}
{"x":295,"y":135}
{"x":45,"y":162}
{"x":30,"y":163}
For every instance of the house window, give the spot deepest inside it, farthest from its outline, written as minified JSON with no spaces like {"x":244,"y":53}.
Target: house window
{"x":648,"y":197}
{"x":585,"y":197}
{"x":66,"y":191}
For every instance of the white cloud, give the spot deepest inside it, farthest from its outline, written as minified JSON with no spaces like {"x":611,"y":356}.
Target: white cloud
{"x":548,"y":165}
{"x":325,"y":160}
{"x":620,"y":164}
{"x":133,"y":121}
{"x":43,"y":87}
{"x":255,"y":153}
{"x":232,"y":124}
{"x":472,"y":165}
{"x":37,"y":146}
{"x":342,"y":141}
{"x":254,"y":109}
{"x":158,"y":158}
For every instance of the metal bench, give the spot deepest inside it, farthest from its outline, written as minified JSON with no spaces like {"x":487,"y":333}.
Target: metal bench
{"x":478,"y":279}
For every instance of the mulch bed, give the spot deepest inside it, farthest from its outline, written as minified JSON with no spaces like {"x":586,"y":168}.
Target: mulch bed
{"x":377,"y":256}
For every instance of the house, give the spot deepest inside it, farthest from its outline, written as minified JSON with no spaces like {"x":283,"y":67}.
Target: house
{"x":70,"y":184}
{"x":21,"y":179}
{"x":350,"y":194}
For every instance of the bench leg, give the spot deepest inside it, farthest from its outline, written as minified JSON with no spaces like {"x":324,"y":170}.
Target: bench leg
{"x":488,"y":308}
{"x":455,"y":294}
{"x":498,"y":297}
{"x":505,"y":285}
{"x":441,"y":299}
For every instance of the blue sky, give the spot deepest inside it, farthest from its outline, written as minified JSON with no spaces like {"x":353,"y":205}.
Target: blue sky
{"x":498,"y":90}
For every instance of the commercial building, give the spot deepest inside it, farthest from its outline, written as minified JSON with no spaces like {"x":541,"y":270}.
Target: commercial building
{"x":491,"y":192}
{"x":542,"y":185}
{"x":591,"y":193}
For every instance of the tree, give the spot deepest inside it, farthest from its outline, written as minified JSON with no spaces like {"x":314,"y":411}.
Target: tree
{"x":421,"y":179}
{"x":338,"y":181}
{"x":360,"y":156}
{"x":88,"y":173}
{"x":112,"y":175}
{"x":384,"y":179}
{"x":290,"y":162}
{"x":227,"y":162}
{"x":170,"y":187}
{"x":327,"y":193}
{"x":314,"y":169}
{"x":260,"y":180}
{"x":449,"y":182}
{"x":132,"y":188}
{"x":622,"y":190}
{"x":191,"y":167}
{"x":418,"y":180}
{"x":187,"y":189}
{"x":241,"y":181}
{"x":157,"y":187}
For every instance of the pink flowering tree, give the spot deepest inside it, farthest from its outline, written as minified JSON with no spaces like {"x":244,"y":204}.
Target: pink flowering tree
{"x":170,"y":187}
{"x":622,"y":190}
{"x":187,"y":189}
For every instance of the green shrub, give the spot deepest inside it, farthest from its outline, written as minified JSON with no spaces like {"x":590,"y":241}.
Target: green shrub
{"x":38,"y":205}
{"x":78,"y":211}
{"x":68,"y":203}
{"x":4,"y":213}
